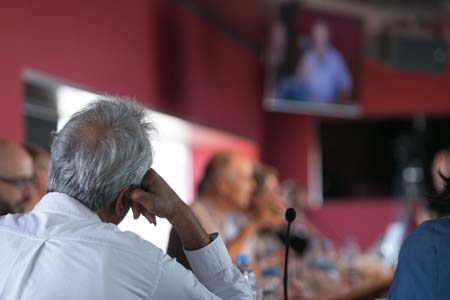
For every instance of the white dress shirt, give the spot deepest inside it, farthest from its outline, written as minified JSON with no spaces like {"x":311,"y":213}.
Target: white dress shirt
{"x":62,"y":250}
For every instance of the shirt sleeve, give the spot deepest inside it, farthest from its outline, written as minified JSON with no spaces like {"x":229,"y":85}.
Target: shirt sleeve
{"x":213,"y":276}
{"x":416,"y":274}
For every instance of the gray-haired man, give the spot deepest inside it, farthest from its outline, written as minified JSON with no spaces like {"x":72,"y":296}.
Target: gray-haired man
{"x":69,"y":246}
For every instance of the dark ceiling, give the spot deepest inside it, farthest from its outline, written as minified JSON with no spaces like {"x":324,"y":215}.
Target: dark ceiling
{"x":246,"y":20}
{"x":249,"y":20}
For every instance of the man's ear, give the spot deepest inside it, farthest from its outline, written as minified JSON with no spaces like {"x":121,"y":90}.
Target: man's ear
{"x":122,"y":204}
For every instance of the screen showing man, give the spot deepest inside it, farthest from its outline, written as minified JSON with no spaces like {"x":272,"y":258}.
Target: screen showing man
{"x":313,"y":62}
{"x":322,"y":70}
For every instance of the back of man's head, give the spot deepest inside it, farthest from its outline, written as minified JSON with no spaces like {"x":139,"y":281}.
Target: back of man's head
{"x":102,"y":150}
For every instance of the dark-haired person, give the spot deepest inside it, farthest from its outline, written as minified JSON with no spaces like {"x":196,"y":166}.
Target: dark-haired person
{"x":266,"y":196}
{"x":423,"y":268}
{"x":16,"y":177}
{"x":69,"y":246}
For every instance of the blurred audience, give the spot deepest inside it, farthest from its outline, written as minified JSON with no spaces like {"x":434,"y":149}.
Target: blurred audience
{"x":40,"y":161}
{"x":224,"y":199}
{"x":226,"y":188}
{"x":16,"y":178}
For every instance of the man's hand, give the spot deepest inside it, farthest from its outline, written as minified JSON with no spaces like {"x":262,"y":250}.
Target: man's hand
{"x":157,"y":198}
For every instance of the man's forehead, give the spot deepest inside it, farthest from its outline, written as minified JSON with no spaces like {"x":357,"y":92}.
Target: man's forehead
{"x":242,"y":164}
{"x":14,"y":160}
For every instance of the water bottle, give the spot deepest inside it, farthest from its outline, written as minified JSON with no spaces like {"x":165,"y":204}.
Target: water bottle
{"x":270,"y":271}
{"x":242,"y":263}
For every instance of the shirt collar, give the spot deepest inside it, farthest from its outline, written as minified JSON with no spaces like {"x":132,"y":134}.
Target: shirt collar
{"x":63,"y":204}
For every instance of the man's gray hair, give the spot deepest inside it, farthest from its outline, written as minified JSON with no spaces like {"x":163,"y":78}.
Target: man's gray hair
{"x":103,"y":149}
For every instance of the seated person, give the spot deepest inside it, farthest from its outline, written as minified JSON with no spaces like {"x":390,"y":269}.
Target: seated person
{"x":422,"y":270}
{"x":69,"y":246}
{"x":16,"y":178}
{"x":296,"y":197}
{"x":269,"y":193}
{"x":270,"y":238}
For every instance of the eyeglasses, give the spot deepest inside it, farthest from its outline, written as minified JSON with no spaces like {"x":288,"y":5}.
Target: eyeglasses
{"x":18,"y":182}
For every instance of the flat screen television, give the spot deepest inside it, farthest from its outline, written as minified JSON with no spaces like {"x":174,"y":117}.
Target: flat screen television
{"x":314,"y":63}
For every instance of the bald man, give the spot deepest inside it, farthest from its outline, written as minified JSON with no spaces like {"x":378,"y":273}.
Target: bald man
{"x":16,"y":177}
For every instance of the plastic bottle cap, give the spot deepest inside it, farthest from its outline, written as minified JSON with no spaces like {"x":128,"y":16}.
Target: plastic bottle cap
{"x":242,"y":260}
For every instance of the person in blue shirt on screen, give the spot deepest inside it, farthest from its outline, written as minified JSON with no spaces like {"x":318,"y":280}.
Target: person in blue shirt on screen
{"x":321,"y":74}
{"x":323,"y":70}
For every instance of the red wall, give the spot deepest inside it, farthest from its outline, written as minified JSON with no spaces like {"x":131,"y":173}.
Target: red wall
{"x":392,"y":93}
{"x":366,"y":220}
{"x":287,"y":139}
{"x":11,"y":88}
{"x":173,"y":61}
{"x":217,"y":81}
{"x":106,"y":51}
{"x":153,"y":50}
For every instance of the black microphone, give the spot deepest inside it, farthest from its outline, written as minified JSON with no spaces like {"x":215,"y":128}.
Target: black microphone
{"x":290,"y":217}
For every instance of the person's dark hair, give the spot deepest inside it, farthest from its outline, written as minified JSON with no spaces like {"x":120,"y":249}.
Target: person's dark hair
{"x":439,"y":202}
{"x":260,"y":175}
{"x":215,"y":166}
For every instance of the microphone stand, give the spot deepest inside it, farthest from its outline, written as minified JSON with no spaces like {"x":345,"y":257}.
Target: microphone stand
{"x":290,"y":217}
